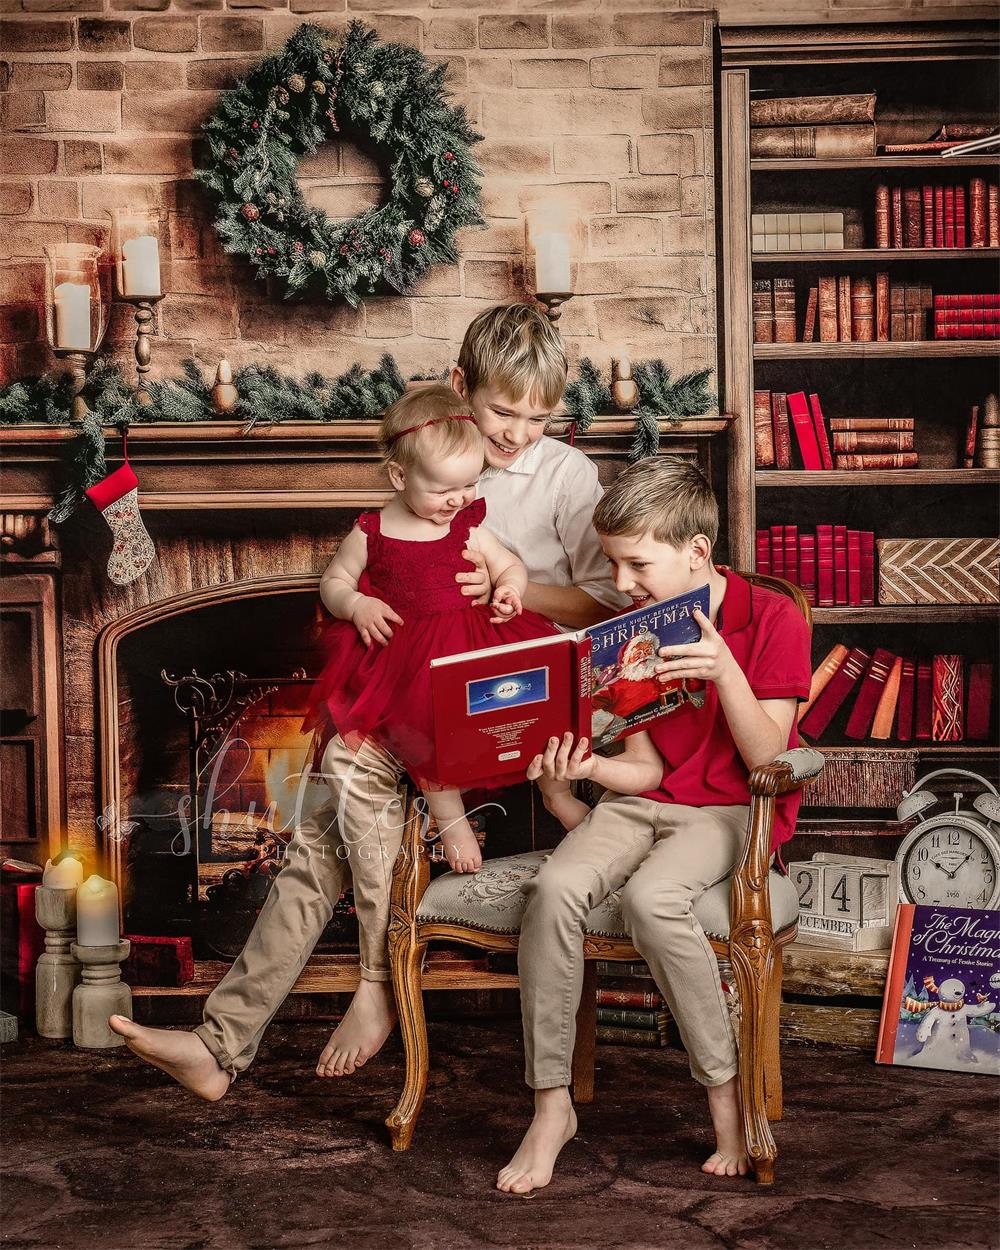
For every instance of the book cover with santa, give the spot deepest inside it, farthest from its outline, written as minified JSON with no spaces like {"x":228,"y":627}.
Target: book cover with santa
{"x":940,"y":1008}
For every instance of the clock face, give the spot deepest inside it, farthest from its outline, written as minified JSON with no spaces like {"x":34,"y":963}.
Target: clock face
{"x":950,"y":862}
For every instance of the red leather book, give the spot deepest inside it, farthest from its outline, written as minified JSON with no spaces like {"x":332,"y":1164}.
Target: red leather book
{"x":862,"y":310}
{"x":839,"y":424}
{"x":977,"y":212}
{"x":778,"y":550}
{"x":882,"y":307}
{"x":924,"y":692}
{"x":840,"y":564}
{"x":807,"y":567}
{"x":805,"y":431}
{"x":881,"y":215}
{"x":872,"y":440}
{"x":867,"y":567}
{"x":913,"y":224}
{"x":961,"y":235}
{"x":993,"y":216}
{"x":947,"y":699}
{"x":792,"y":553}
{"x":977,"y":717}
{"x":809,"y":326}
{"x":782,"y":432}
{"x":984,"y":299}
{"x":854,"y":567}
{"x":784,"y":310}
{"x":822,"y":435}
{"x":762,"y":308}
{"x":939,"y":216}
{"x":876,"y":460}
{"x":823,"y":675}
{"x":860,"y":720}
{"x":904,"y":708}
{"x":827,"y":308}
{"x":966,"y":316}
{"x":763,"y":430}
{"x":969,"y":458}
{"x":885,"y":709}
{"x":762,"y":545}
{"x":927,"y":198}
{"x":897,"y":216}
{"x":949,"y":216}
{"x":824,"y":566}
{"x":968,"y":330}
{"x":844,"y":308}
{"x":834,"y":693}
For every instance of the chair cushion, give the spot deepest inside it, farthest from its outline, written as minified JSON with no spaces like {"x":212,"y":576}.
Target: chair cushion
{"x":492,"y":901}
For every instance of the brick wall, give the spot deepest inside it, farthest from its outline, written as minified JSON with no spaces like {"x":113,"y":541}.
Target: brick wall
{"x":609,"y":111}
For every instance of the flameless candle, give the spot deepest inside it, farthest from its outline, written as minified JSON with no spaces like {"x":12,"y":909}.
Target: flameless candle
{"x":552,"y":261}
{"x":66,"y":875}
{"x":97,"y":912}
{"x":72,"y":301}
{"x":141,"y":267}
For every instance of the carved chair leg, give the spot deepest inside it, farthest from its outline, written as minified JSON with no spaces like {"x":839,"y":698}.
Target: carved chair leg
{"x":405,"y":957}
{"x":753,"y":965}
{"x":586,"y":1036}
{"x":772,"y":1050}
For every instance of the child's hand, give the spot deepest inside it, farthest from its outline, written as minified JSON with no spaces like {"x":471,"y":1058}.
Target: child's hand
{"x":475,"y":585}
{"x":373,"y":620}
{"x":709,"y":659}
{"x":506,"y":604}
{"x":560,"y":764}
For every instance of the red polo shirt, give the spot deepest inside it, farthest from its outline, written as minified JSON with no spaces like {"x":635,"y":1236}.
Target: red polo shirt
{"x":702,"y":766}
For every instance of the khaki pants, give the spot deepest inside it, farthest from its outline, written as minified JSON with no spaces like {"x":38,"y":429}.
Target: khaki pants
{"x":358,"y":832}
{"x":661,"y":856}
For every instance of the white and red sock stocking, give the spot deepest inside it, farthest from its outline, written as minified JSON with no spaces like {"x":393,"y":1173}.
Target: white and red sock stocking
{"x":116,"y":497}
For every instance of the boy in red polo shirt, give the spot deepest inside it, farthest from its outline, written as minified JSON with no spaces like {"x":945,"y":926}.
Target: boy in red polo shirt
{"x":674,"y":818}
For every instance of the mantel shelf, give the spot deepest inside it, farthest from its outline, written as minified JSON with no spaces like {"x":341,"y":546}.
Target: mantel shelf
{"x":908,"y":614}
{"x":921,"y":349}
{"x":878,"y":254}
{"x":769,"y":478}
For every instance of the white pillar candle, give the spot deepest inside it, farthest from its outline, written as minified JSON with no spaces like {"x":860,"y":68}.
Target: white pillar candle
{"x":72,"y":301}
{"x":66,"y":875}
{"x":141,"y":267}
{"x":97,"y":912}
{"x":552,"y":261}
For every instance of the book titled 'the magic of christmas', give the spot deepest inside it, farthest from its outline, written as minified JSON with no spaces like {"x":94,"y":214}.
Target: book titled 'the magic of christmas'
{"x":942,"y":997}
{"x":495,"y":709}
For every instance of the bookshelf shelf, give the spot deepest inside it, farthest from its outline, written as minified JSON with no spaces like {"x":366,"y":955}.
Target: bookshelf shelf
{"x":921,"y":349}
{"x":919,"y":160}
{"x":878,"y":254}
{"x":898,"y":614}
{"x":772,"y":479}
{"x":930,"y":750}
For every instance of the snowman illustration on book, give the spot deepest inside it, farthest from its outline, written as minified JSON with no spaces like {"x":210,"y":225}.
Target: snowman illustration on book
{"x":943,"y":1035}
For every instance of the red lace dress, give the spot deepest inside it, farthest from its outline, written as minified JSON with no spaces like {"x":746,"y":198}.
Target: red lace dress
{"x":384,"y":692}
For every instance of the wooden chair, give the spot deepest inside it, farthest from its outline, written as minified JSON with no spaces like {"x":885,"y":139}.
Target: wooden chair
{"x":749,"y":919}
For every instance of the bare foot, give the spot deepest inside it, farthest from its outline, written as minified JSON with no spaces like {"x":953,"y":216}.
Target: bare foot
{"x":182,"y":1055}
{"x":369,"y":1020}
{"x":730,"y":1156}
{"x":553,"y":1126}
{"x":461,"y":848}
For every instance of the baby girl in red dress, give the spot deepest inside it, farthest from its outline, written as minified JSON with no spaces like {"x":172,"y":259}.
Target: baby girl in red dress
{"x":392,"y":588}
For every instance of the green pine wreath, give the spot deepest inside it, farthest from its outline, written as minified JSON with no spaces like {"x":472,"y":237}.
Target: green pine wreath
{"x":305,"y":94}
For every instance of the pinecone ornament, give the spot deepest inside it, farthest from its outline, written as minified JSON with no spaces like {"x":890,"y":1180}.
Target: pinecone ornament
{"x":424,"y":188}
{"x":317,"y":260}
{"x":296,"y":83}
{"x":249,"y":211}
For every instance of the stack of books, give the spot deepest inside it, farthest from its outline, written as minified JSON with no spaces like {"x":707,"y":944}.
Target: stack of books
{"x":630,"y":1009}
{"x":937,"y":698}
{"x":844,"y":309}
{"x":797,"y":232}
{"x":813,"y":126}
{"x":835,"y":566}
{"x":937,"y":216}
{"x":967,"y":316}
{"x":851,"y":443}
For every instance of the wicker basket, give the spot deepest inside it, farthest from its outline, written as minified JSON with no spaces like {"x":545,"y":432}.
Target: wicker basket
{"x":862,"y":778}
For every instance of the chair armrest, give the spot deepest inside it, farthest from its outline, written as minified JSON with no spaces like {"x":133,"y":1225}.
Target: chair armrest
{"x":789,"y":771}
{"x":411,"y":871}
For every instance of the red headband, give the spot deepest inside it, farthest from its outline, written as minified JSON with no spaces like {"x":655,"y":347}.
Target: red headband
{"x":412,"y":429}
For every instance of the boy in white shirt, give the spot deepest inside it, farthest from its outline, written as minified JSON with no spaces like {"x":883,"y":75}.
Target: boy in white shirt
{"x":540,"y":497}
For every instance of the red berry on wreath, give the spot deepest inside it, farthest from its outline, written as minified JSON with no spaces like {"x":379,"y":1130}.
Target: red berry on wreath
{"x":298,"y":246}
{"x":249,"y":211}
{"x":255,"y":125}
{"x":454,"y":187}
{"x":344,"y":249}
{"x":260,"y":251}
{"x":416,"y":238}
{"x":270,"y":251}
{"x":449,"y":156}
{"x":446,"y":184}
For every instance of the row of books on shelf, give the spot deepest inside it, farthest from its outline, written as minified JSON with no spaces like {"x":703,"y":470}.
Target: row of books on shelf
{"x":813,"y":126}
{"x":833,"y":566}
{"x":794,"y":423}
{"x":939,"y":698}
{"x":849,"y":309}
{"x":797,"y":232}
{"x":937,"y":216}
{"x":967,"y":316}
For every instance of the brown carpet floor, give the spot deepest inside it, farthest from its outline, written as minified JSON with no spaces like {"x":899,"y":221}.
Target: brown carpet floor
{"x":101,"y":1152}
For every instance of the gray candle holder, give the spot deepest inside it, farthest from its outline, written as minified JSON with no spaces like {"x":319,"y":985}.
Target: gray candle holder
{"x":100,"y":994}
{"x":57,"y":972}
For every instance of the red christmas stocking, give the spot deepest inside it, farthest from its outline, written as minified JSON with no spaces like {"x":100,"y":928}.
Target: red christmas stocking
{"x":117,"y":499}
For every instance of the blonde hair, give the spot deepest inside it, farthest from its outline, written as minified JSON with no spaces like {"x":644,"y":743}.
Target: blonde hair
{"x":514,"y":347}
{"x":432,"y":403}
{"x":666,"y":496}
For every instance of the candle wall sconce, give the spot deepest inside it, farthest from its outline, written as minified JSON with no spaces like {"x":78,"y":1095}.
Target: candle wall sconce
{"x":76,"y":294}
{"x":139,"y":278}
{"x":551,"y":246}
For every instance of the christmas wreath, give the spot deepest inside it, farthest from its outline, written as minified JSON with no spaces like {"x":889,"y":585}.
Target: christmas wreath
{"x":309,"y":91}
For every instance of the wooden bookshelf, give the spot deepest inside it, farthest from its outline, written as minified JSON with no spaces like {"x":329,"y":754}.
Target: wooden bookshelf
{"x":933,"y":381}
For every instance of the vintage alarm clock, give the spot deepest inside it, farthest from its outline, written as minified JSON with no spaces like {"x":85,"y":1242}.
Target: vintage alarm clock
{"x":951,"y":859}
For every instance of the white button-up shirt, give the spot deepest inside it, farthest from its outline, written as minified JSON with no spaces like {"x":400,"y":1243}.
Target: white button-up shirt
{"x":541,"y":507}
